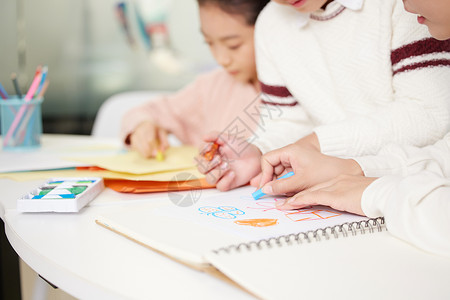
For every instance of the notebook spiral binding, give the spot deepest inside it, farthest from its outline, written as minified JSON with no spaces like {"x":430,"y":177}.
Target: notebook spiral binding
{"x":343,"y":230}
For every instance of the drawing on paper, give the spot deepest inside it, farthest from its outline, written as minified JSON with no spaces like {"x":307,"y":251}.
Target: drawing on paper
{"x":304,"y":214}
{"x":246,"y":197}
{"x":265,"y":206}
{"x":221,"y":212}
{"x":257,"y":222}
{"x":311,"y":214}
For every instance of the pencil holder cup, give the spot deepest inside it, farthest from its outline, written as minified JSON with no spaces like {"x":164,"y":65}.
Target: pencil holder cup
{"x":21,"y":123}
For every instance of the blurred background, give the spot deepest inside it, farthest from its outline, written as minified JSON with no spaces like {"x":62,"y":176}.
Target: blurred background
{"x":95,"y":49}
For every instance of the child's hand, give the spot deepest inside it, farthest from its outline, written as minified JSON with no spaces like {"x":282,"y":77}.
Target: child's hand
{"x":148,"y":139}
{"x":233,"y":165}
{"x":342,"y":193}
{"x":310,"y":166}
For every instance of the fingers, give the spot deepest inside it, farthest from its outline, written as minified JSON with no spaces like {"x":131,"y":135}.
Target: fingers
{"x":342,"y":193}
{"x":143,"y":145}
{"x":304,"y":199}
{"x":207,"y":147}
{"x":221,"y":176}
{"x":278,"y":162}
{"x":215,"y":152}
{"x":317,"y":195}
{"x":269,"y":162}
{"x":235,"y":161}
{"x":223,"y":140}
{"x":255,"y":180}
{"x":163,"y":139}
{"x":212,"y":161}
{"x":213,"y":136}
{"x":320,"y":194}
{"x":283,"y":186}
{"x":215,"y":174}
{"x":226,"y":183}
{"x":204,"y":166}
{"x":145,"y":139}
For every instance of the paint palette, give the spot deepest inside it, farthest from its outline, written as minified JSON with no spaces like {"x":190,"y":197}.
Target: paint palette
{"x":61,"y":195}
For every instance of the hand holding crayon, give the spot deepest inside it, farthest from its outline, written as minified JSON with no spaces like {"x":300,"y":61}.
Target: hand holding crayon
{"x":228,"y":161}
{"x":159,"y":152}
{"x":209,"y":154}
{"x":311,"y":168}
{"x":149,"y":140}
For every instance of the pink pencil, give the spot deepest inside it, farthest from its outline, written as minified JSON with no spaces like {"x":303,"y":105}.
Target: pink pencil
{"x":23,"y":127}
{"x":28,"y":97}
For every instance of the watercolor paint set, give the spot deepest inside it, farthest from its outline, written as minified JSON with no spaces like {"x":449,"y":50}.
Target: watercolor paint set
{"x":61,"y":195}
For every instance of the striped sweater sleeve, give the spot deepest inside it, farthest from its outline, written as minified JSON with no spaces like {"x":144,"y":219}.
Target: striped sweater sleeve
{"x":279,"y":111}
{"x":419,"y":113}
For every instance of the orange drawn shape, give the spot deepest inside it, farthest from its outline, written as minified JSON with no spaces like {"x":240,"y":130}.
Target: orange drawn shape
{"x":257,"y":222}
{"x":210,"y":154}
{"x":312,"y":214}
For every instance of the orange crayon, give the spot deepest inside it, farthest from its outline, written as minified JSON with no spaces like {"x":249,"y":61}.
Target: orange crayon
{"x":209,"y":155}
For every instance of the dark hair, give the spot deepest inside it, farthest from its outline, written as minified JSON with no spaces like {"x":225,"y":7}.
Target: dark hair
{"x":249,"y":9}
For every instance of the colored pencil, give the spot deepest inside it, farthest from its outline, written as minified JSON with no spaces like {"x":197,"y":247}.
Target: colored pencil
{"x":25,"y":128}
{"x":16,"y":85}
{"x":44,"y":89}
{"x":3,"y":93}
{"x":28,"y":97}
{"x":41,"y":84}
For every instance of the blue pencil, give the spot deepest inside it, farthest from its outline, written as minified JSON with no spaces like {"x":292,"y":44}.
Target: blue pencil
{"x":3,"y":93}
{"x":142,"y":29}
{"x":258,"y":194}
{"x":41,"y":84}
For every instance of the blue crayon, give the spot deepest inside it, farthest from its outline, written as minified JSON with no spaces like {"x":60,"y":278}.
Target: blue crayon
{"x":43,"y":78}
{"x":258,"y":194}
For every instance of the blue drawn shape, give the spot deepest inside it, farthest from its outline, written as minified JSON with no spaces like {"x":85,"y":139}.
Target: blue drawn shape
{"x":221,"y":212}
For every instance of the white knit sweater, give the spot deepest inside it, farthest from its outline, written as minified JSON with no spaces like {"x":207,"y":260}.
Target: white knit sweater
{"x":359,"y":79}
{"x":416,"y":200}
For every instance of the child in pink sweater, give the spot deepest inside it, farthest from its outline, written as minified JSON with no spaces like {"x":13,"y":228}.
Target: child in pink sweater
{"x":214,"y":100}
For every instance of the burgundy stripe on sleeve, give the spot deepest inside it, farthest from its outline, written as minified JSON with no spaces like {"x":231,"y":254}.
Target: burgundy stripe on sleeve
{"x":418,"y":48}
{"x":278,"y":91}
{"x":279,"y":104}
{"x":424,"y":64}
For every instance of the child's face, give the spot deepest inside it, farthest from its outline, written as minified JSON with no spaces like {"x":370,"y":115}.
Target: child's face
{"x":231,"y":42}
{"x":305,"y":6}
{"x":433,"y":13}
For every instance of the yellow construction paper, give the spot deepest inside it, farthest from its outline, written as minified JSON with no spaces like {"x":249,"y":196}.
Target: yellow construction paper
{"x":177,"y":175}
{"x":175,"y":158}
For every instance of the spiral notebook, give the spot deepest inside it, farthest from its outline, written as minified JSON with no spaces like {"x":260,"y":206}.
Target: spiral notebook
{"x":328,"y":264}
{"x":298,"y":255}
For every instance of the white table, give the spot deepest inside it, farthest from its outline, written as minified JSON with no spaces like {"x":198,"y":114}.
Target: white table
{"x":90,"y":262}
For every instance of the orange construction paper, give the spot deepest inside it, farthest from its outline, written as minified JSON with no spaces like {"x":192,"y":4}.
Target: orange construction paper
{"x":138,"y":187}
